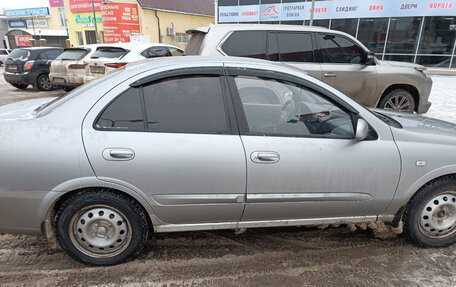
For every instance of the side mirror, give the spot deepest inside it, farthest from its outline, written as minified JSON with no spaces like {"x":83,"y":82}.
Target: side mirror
{"x":370,"y":58}
{"x":362,"y":130}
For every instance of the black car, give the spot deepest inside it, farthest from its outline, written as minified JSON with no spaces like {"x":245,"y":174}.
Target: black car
{"x":30,"y":66}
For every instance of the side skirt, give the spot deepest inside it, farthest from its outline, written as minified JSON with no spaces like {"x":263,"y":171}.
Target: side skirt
{"x":263,"y":223}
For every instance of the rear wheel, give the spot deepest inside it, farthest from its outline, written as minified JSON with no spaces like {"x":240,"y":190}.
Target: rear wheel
{"x":43,"y":83}
{"x":101,"y":227}
{"x":398,"y":100}
{"x":20,"y":86}
{"x":430,"y":217}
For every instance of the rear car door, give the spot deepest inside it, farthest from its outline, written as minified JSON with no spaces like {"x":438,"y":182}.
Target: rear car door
{"x":174,"y":140}
{"x":302,"y":159}
{"x":343,"y":67}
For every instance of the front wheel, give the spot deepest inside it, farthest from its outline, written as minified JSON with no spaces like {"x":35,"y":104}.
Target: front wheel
{"x":430,"y":217}
{"x":398,"y":100}
{"x":101,"y":227}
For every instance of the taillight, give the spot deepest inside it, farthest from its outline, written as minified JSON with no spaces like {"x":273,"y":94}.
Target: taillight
{"x":28,"y":65}
{"x":115,"y":65}
{"x":77,"y":66}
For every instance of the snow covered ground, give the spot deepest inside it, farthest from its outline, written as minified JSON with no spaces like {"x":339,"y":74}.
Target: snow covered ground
{"x":443,"y":98}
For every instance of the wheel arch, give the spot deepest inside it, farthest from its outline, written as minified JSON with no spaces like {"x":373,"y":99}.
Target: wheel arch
{"x":50,"y":206}
{"x":400,"y":212}
{"x":409,"y":88}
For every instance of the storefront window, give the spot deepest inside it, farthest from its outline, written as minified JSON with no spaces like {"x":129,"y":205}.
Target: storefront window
{"x":345,"y":25}
{"x":228,"y":2}
{"x":80,"y":38}
{"x":403,"y":35}
{"x":62,"y":17}
{"x":400,"y":58}
{"x":249,"y":2}
{"x":434,"y":61}
{"x":372,"y":33}
{"x":437,"y":37}
{"x":321,"y":23}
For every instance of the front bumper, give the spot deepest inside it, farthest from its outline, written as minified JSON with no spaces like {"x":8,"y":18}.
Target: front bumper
{"x":425,"y":91}
{"x":19,"y":78}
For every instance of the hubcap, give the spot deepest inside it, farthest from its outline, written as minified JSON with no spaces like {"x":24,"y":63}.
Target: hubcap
{"x":45,"y":83}
{"x":100,"y":231}
{"x":399,"y":103}
{"x":438,"y":217}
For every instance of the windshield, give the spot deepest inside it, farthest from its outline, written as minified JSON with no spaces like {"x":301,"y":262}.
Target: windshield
{"x":72,"y":54}
{"x":109,"y":52}
{"x":194,"y":44}
{"x":20,"y":54}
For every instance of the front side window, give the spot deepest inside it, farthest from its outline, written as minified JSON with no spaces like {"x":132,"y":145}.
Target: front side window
{"x":338,"y":49}
{"x":251,"y":44}
{"x":186,"y":104}
{"x":123,"y":114}
{"x":278,"y":108}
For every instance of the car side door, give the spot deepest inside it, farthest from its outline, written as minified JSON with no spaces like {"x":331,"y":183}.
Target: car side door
{"x":302,"y":159}
{"x":173,"y":139}
{"x":343,"y":65}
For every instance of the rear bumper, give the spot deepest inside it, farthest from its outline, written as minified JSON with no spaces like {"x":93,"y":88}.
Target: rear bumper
{"x":67,"y":81}
{"x":21,"y":211}
{"x":19,"y":78}
{"x":92,"y":77}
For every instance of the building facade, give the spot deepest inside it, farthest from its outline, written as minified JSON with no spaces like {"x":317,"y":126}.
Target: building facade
{"x":37,"y":23}
{"x":416,"y":31}
{"x":164,"y":21}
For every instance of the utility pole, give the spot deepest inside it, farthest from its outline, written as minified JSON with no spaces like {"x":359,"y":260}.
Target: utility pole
{"x":311,"y":13}
{"x":95,"y":23}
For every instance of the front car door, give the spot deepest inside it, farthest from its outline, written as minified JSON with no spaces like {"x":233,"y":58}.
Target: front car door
{"x":173,"y":140}
{"x":302,"y":159}
{"x":343,"y":67}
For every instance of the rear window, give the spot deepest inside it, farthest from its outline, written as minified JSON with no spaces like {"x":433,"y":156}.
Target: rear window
{"x":3,"y":52}
{"x":109,"y":52}
{"x":72,"y":54}
{"x":19,"y":54}
{"x":194,"y":44}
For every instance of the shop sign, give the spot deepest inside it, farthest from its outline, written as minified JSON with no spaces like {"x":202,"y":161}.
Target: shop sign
{"x":41,"y":23}
{"x":84,"y":5}
{"x":17,"y":24}
{"x":119,"y":21}
{"x":56,"y":3}
{"x":23,"y":40}
{"x":88,"y":19}
{"x":336,"y":10}
{"x":28,"y":12}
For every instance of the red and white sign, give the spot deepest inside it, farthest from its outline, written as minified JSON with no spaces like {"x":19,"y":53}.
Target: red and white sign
{"x":119,"y":21}
{"x":23,"y":40}
{"x":84,"y":5}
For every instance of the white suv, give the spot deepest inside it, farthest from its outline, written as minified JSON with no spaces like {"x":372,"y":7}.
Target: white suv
{"x":107,"y":59}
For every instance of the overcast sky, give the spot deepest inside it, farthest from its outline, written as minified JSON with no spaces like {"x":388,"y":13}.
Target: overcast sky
{"x":18,"y":4}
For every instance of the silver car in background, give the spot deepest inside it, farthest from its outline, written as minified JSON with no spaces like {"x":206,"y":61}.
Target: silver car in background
{"x":333,"y":57}
{"x":201,"y":143}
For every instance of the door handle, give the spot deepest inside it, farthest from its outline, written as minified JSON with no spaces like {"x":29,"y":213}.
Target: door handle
{"x":118,"y":154}
{"x":330,"y":75}
{"x":264,"y":157}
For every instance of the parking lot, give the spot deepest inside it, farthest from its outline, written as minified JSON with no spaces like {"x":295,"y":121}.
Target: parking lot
{"x":260,"y":257}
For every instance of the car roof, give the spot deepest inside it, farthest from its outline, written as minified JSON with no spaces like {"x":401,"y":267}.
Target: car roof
{"x":40,"y":48}
{"x":135,"y":46}
{"x":268,"y":27}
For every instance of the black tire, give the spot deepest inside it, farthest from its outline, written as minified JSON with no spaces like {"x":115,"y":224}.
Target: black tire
{"x":67,"y":89}
{"x":425,"y":209}
{"x":43,"y":83}
{"x":103,"y":230}
{"x":20,"y":86}
{"x":398,"y":100}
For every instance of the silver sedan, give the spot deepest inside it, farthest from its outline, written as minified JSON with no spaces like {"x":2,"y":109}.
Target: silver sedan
{"x":193,"y":143}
